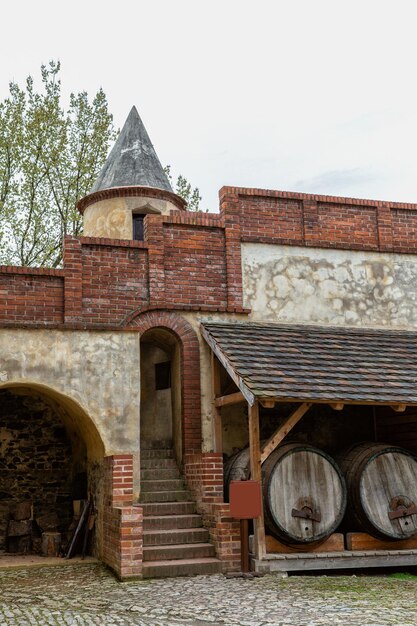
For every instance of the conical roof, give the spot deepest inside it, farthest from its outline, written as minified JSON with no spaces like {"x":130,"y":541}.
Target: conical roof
{"x":133,"y":160}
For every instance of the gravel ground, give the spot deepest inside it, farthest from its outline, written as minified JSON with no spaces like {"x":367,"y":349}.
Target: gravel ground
{"x":89,"y":594}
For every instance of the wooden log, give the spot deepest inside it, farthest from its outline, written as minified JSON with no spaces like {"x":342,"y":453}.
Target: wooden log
{"x":363,"y":541}
{"x":19,"y":529}
{"x":231,"y":398}
{"x":334,"y":543}
{"x":51,"y":544}
{"x":22,"y":511}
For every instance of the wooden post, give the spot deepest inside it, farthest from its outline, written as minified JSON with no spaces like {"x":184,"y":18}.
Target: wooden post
{"x":256,"y":474}
{"x":216,"y":387}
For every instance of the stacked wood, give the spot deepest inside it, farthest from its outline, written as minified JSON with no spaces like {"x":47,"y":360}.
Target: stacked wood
{"x":20,"y":528}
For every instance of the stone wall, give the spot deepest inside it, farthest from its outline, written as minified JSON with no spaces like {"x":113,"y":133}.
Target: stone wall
{"x":38,"y":461}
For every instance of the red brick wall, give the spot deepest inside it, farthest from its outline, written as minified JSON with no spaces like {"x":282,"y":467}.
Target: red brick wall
{"x":195,"y":266}
{"x":30,"y":294}
{"x":347,"y":226}
{"x":121,"y":522}
{"x":281,"y":218}
{"x":114,"y":282}
{"x":204,"y":475}
{"x":404,"y":230}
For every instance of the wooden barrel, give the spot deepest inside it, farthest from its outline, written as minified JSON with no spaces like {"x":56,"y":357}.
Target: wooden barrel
{"x":382,"y":490}
{"x":304,"y":492}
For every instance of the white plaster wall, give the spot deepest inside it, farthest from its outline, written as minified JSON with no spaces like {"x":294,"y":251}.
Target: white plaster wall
{"x":98,"y":370}
{"x":316,"y":286}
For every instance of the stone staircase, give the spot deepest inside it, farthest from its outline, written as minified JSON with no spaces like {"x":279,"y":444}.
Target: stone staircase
{"x":174,"y":540}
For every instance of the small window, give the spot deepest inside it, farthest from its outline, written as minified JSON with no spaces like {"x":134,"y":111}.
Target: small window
{"x":138,"y":227}
{"x":163,"y":375}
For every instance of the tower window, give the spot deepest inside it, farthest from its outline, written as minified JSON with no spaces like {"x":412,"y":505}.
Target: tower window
{"x":138,"y":227}
{"x":163,"y":375}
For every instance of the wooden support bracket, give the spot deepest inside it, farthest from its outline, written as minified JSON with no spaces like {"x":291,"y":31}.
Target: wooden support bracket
{"x":267,"y":403}
{"x":232,"y":398}
{"x":337,"y":406}
{"x":399,"y":408}
{"x":283,"y":430}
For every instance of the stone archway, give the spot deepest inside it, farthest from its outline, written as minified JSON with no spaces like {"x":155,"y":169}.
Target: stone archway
{"x":51,"y":455}
{"x":190,"y":391}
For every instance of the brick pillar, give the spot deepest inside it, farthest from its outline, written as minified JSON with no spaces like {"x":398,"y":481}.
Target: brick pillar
{"x":122,"y":525}
{"x":154,"y":237}
{"x":384,"y":219}
{"x":230,"y":210}
{"x":310,"y":222}
{"x":73,"y":303}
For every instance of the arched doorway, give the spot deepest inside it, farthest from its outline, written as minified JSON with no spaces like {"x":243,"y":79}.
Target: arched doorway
{"x":50,"y":457}
{"x":160,"y":366}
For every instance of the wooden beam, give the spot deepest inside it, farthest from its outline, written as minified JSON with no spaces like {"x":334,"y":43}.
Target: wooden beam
{"x":283,"y":430}
{"x":216,"y":389}
{"x":399,"y":408}
{"x":337,"y":406}
{"x":231,"y":398}
{"x":267,"y":403}
{"x":256,"y":474}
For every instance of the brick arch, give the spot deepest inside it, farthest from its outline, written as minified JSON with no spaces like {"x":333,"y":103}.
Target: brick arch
{"x":190,"y":370}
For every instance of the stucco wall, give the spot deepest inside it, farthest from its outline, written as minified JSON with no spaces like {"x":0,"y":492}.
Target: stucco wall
{"x":340,"y":287}
{"x":92,"y":375}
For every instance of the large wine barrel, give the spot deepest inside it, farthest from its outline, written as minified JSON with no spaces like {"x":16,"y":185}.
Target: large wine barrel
{"x":382,"y":490}
{"x":303,"y":490}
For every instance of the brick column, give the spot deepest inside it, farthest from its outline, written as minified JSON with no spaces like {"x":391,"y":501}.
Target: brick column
{"x":230,"y":210}
{"x":122,"y":523}
{"x":73,"y":303}
{"x":384,"y":220}
{"x":310,"y":222}
{"x":154,"y":236}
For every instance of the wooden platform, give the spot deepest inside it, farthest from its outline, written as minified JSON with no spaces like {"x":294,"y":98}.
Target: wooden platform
{"x":324,"y":561}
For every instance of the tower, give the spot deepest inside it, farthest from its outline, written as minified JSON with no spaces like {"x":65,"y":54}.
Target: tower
{"x":131,"y":184}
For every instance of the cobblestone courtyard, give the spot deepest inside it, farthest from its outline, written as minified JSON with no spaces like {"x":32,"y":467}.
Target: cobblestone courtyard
{"x":84,"y":595}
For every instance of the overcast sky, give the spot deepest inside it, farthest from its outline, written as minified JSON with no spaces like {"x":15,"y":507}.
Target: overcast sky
{"x":310,"y":95}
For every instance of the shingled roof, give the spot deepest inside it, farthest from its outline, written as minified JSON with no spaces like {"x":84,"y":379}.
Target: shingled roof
{"x":308,"y":363}
{"x":133,"y":160}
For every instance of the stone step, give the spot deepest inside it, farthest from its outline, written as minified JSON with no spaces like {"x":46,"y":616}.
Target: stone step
{"x":158,"y":444}
{"x":165,"y":496}
{"x":171,"y":484}
{"x":169,"y":522}
{"x":159,"y":473}
{"x":178,"y":551}
{"x":175,"y":536}
{"x":181,"y":567}
{"x":156,"y":454}
{"x":158,"y":464}
{"x":168,"y":508}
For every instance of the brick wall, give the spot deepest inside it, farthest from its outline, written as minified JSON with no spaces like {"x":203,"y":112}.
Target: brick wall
{"x":121,"y":523}
{"x":31,"y":294}
{"x":204,"y":476}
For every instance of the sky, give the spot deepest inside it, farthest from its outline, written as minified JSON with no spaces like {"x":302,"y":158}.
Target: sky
{"x":305,"y":95}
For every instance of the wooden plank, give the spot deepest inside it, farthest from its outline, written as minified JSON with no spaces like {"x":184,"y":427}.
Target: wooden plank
{"x":216,"y":387}
{"x":232,"y":398}
{"x":337,"y":406}
{"x":363,"y":541}
{"x":399,"y":408}
{"x":256,"y":474}
{"x":283,"y":430}
{"x":267,"y":403}
{"x":334,"y":543}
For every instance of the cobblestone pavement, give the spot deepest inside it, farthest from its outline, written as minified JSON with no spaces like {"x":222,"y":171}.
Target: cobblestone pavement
{"x":90,"y":595}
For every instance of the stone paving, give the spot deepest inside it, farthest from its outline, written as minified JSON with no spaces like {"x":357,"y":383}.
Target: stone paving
{"x":89,"y":595}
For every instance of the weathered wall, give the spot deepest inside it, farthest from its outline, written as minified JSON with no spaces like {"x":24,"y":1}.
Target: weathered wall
{"x":112,"y":217}
{"x":156,"y":404}
{"x":94,"y":376}
{"x":341,"y":287}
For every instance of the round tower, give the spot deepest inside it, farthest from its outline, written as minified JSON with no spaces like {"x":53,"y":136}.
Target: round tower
{"x":131,"y":184}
